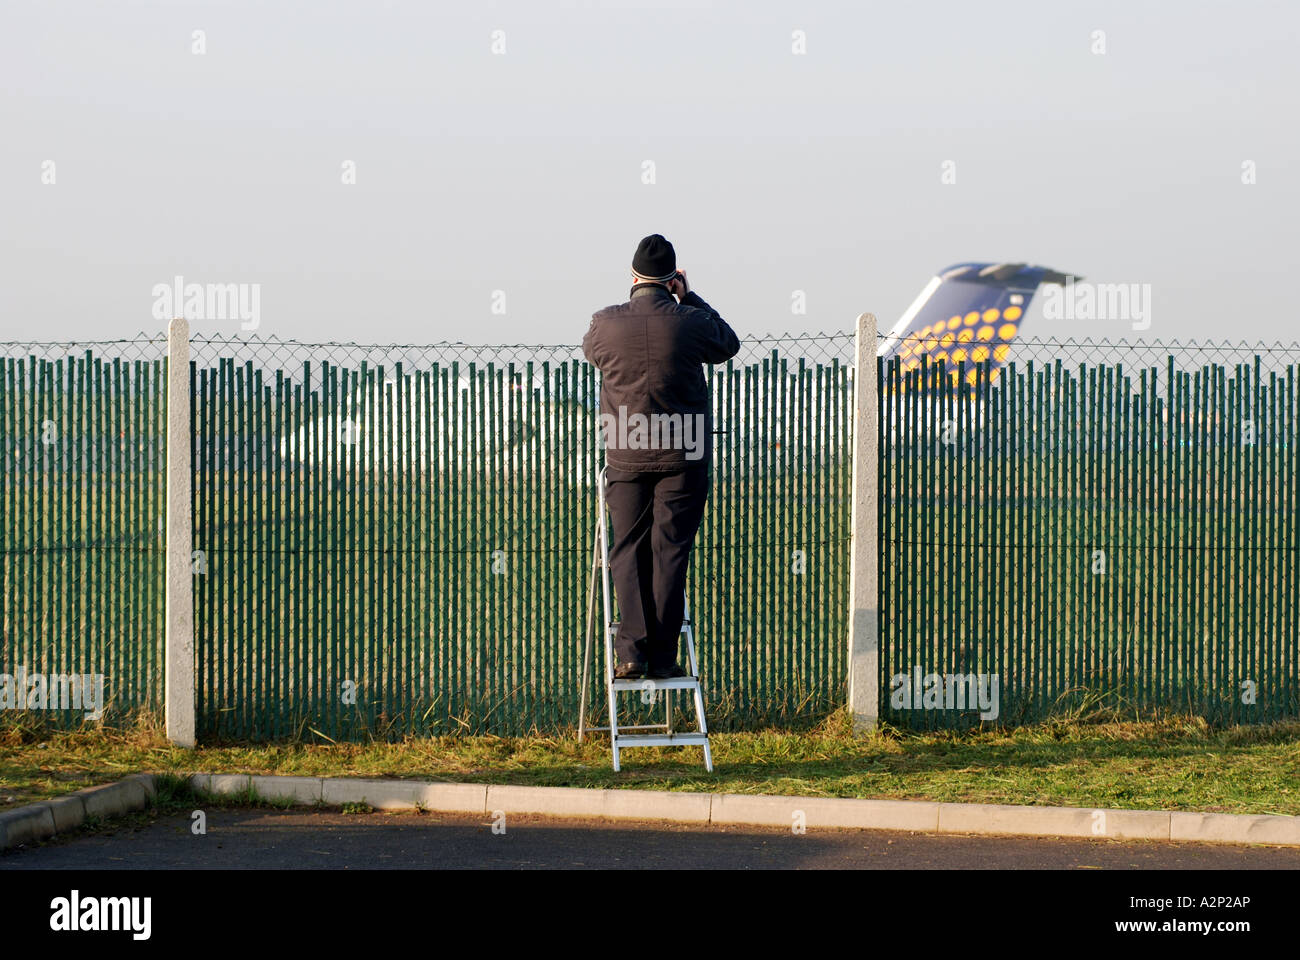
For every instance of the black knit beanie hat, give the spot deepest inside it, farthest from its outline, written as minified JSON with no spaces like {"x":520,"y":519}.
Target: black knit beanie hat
{"x":654,"y":259}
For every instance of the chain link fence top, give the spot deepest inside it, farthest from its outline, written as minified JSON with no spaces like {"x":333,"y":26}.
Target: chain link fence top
{"x":143,"y":346}
{"x":272,"y":353}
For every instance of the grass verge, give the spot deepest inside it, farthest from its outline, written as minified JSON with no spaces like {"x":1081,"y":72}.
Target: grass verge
{"x":1170,"y":763}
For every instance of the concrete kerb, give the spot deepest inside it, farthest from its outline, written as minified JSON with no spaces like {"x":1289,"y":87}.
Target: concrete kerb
{"x":25,"y":824}
{"x":611,"y":804}
{"x":825,"y":812}
{"x":41,"y":820}
{"x":777,"y":811}
{"x":69,"y":812}
{"x":1235,"y":828}
{"x":407,"y":795}
{"x":115,"y":799}
{"x":1004,"y":820}
{"x":297,"y":789}
{"x":337,"y":791}
{"x":224,"y":784}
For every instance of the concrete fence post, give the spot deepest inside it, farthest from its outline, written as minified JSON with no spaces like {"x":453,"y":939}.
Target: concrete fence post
{"x":179,"y":682}
{"x":864,"y":567}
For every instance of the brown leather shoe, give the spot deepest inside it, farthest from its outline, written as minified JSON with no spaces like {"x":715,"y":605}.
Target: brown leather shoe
{"x":629,"y":671}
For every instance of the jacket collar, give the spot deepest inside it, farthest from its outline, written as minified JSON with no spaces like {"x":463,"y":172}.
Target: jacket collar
{"x":649,"y":288}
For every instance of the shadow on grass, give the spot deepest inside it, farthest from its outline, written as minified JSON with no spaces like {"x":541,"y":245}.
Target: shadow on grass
{"x":1176,"y":760}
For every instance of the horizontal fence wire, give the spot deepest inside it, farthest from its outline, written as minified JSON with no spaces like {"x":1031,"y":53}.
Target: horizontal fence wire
{"x":397,"y":539}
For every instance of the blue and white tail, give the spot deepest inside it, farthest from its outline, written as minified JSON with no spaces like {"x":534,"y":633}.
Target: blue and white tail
{"x":970,"y":312}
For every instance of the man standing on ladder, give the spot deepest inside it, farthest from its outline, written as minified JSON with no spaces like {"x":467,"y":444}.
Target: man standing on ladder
{"x":657,"y":423}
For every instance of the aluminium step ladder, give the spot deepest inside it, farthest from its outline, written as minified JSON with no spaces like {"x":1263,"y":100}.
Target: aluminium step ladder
{"x":662,"y":734}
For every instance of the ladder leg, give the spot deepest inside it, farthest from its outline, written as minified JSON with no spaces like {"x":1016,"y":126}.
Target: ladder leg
{"x":591,"y":625}
{"x":613,"y":723}
{"x":704,"y":728}
{"x":689,"y":630}
{"x":699,"y":709}
{"x":602,"y":539}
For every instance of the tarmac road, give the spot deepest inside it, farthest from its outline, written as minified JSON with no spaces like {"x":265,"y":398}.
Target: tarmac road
{"x":297,"y":839}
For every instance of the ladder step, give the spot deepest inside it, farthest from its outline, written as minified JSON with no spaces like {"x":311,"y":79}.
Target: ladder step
{"x":613,"y":626}
{"x":662,"y":740}
{"x":674,"y":683}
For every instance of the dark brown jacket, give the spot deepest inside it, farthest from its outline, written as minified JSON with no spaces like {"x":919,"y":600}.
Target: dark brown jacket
{"x":649,"y":352}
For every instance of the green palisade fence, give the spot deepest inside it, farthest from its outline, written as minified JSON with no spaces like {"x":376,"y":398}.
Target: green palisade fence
{"x":398,"y":540}
{"x":1093,"y":536}
{"x":83,"y":444}
{"x":406,"y":548}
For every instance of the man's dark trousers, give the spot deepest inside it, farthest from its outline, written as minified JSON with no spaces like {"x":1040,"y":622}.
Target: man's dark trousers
{"x":655,"y":517}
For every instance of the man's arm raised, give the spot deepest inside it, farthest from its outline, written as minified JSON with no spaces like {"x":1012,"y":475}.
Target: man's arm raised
{"x":717,"y":341}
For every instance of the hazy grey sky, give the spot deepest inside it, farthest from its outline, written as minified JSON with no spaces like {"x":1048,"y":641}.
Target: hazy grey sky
{"x":522,"y":171}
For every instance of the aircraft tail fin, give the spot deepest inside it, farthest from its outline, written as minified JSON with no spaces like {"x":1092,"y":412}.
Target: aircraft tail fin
{"x":970,"y":312}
